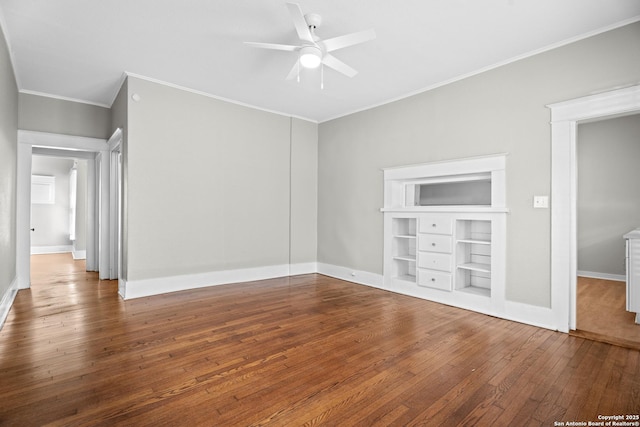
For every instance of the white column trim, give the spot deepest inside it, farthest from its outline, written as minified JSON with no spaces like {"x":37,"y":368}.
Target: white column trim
{"x":23,"y":216}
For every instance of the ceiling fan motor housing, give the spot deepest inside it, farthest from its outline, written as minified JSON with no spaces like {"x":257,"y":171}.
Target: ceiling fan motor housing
{"x":313,"y":20}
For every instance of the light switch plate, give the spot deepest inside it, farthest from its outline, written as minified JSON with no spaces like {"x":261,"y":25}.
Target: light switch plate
{"x":541,"y":202}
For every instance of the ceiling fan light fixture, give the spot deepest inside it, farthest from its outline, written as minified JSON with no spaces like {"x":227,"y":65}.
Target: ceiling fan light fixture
{"x":310,"y":57}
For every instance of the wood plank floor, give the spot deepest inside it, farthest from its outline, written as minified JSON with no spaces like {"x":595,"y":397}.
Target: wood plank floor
{"x":601,"y":313}
{"x":306,"y":350}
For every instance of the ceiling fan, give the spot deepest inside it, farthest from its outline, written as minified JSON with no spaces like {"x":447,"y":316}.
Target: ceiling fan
{"x":313,"y":51}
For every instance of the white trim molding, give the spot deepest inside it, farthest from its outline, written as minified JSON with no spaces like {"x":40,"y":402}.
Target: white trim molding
{"x":514,"y":311}
{"x":351,"y":275}
{"x":603,"y":276}
{"x":7,"y":301}
{"x":565,"y":117}
{"x":64,"y":98}
{"x":128,"y":74}
{"x":54,"y":140}
{"x":79,"y":254}
{"x":303,"y":268}
{"x":528,"y":314}
{"x":59,"y":249}
{"x":85,"y":147}
{"x":130,"y":289}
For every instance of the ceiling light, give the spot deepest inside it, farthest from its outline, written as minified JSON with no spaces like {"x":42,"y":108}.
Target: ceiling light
{"x":310,"y":57}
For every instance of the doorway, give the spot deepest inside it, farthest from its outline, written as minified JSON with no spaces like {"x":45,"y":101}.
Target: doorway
{"x":608,"y":207}
{"x":565,"y":117}
{"x":98,"y":241}
{"x":59,"y":201}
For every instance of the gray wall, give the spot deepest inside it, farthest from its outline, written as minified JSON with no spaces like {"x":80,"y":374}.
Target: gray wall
{"x":502,"y":110}
{"x":51,"y":221}
{"x":304,"y":191}
{"x":44,"y":114}
{"x":208,"y":184}
{"x":608,"y":192}
{"x":8,"y":163}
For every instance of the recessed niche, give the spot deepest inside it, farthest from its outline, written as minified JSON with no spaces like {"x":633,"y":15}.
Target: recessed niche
{"x":464,"y":193}
{"x":457,"y":190}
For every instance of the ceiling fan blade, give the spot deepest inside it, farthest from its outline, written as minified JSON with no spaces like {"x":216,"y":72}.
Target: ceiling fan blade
{"x":273,"y":46}
{"x":340,"y":42}
{"x":333,"y":62}
{"x":295,"y":70}
{"x":299,"y":22}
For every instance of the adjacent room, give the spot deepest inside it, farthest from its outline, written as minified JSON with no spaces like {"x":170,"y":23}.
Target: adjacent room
{"x":319,"y":213}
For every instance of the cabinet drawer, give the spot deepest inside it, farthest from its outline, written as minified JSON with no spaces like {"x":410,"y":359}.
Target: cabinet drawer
{"x":434,"y":261}
{"x":434,"y":243}
{"x":434,"y":279}
{"x":436,"y":225}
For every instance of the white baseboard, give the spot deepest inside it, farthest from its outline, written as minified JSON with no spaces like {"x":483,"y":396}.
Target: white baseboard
{"x":518,"y":312}
{"x":122,"y":286}
{"x":605,"y":276}
{"x":7,"y":300}
{"x":303,"y":268}
{"x":351,"y":275}
{"x":523,"y":313}
{"x":147,"y":287}
{"x":40,"y":250}
{"x":534,"y":315}
{"x":79,"y":254}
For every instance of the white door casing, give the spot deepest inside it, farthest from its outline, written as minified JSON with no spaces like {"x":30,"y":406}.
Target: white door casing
{"x":565,"y":117}
{"x":114,"y":144}
{"x":75,"y":146}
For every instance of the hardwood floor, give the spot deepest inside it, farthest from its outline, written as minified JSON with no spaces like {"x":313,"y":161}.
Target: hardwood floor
{"x":601,"y":313}
{"x":305,"y":350}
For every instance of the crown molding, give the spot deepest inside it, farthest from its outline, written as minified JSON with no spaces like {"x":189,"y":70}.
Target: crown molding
{"x":63,"y":98}
{"x":492,"y":66}
{"x":209,"y":95}
{"x":12,"y":59}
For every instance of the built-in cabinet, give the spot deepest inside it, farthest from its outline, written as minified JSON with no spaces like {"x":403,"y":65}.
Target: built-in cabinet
{"x":450,"y":253}
{"x":633,"y":272}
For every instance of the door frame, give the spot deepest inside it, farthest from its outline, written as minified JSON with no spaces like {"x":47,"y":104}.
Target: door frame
{"x":44,"y":142}
{"x":115,"y":202}
{"x":565,"y":117}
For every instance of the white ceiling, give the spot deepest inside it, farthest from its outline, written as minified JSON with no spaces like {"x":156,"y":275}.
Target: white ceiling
{"x":79,"y":49}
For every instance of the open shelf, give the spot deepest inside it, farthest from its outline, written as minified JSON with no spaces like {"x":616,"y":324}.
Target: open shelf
{"x":407,"y":278}
{"x":404,"y":268}
{"x":404,"y":227}
{"x":404,"y":231}
{"x":405,"y":258}
{"x":483,"y":292}
{"x":476,"y":266}
{"x":473,"y":260}
{"x":475,"y":241}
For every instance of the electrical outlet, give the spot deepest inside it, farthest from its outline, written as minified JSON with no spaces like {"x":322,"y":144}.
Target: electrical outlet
{"x":541,"y":202}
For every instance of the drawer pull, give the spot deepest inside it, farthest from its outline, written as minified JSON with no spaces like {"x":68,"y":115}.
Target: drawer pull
{"x":433,"y":225}
{"x":433,"y":244}
{"x":433,"y":279}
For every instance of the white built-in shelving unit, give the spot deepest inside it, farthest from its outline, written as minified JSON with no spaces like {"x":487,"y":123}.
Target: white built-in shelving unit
{"x":632,"y":239}
{"x":445,"y":232}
